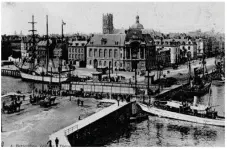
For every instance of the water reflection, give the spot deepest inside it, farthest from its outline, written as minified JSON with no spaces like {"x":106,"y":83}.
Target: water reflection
{"x":159,"y":128}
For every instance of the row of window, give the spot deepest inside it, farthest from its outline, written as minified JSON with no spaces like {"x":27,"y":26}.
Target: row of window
{"x":105,"y":53}
{"x":76,"y":50}
{"x":105,"y":63}
{"x":167,"y":43}
{"x":76,"y":56}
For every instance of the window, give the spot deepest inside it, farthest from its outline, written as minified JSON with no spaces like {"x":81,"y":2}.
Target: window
{"x":121,"y":55}
{"x":90,"y":52}
{"x":115,"y":64}
{"x":100,"y":52}
{"x":188,"y":47}
{"x":128,"y":53}
{"x":120,"y":64}
{"x":105,"y":52}
{"x":110,"y":53}
{"x":104,"y":63}
{"x":95,"y":53}
{"x":100,"y":63}
{"x":82,"y":44}
{"x":90,"y":62}
{"x":115,"y":53}
{"x":142,"y":53}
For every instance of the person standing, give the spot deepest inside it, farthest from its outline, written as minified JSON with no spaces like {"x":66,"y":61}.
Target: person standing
{"x":56,"y":142}
{"x":118,"y":101}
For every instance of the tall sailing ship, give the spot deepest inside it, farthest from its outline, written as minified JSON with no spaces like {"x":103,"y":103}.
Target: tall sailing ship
{"x":199,"y":84}
{"x":39,"y":72}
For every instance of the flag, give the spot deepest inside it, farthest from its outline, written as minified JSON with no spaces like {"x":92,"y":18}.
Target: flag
{"x":63,"y":23}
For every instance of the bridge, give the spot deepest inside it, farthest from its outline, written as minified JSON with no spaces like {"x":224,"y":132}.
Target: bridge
{"x":94,"y":125}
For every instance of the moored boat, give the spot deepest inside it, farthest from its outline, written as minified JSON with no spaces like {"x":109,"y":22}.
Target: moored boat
{"x":197,"y":91}
{"x":179,"y":116}
{"x":44,"y":78}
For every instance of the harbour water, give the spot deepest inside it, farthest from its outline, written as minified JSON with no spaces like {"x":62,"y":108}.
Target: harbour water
{"x":155,"y":131}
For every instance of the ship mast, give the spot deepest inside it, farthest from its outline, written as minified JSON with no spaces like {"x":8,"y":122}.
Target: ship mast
{"x":47,"y":46}
{"x":33,"y":39}
{"x":33,"y":49}
{"x":60,"y":58}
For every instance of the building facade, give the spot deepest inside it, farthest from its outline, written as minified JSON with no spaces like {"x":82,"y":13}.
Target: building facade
{"x":107,"y":24}
{"x":168,"y":51}
{"x":200,"y":47}
{"x":77,"y":53}
{"x":140,"y":50}
{"x":106,"y":50}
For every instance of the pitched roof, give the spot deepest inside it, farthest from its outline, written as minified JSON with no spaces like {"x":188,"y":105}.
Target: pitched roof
{"x":77,"y":43}
{"x":43,"y":43}
{"x":110,"y":39}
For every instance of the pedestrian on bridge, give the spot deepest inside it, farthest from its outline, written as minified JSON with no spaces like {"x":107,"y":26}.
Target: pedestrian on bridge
{"x":118,"y":101}
{"x":56,"y":142}
{"x":49,"y":143}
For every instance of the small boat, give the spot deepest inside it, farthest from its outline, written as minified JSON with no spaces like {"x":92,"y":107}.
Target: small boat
{"x":197,"y":91}
{"x":180,"y":116}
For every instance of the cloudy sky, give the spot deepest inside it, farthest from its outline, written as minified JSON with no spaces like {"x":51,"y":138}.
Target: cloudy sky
{"x":87,"y":17}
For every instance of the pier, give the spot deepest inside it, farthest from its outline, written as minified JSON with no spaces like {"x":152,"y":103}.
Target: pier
{"x":95,"y":126}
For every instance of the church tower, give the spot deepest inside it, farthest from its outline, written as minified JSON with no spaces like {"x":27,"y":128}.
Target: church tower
{"x":107,"y":24}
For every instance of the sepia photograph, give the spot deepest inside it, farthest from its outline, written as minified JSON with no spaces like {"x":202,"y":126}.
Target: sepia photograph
{"x":113,"y":74}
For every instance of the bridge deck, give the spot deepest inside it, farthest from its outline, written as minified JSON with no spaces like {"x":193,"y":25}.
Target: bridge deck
{"x":62,"y":134}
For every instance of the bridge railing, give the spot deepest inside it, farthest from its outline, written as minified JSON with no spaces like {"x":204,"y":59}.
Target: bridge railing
{"x":71,"y":130}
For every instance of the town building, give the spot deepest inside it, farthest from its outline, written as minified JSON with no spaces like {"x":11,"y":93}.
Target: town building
{"x":106,"y":50}
{"x":200,"y":47}
{"x":189,"y":47}
{"x":77,"y":53}
{"x":168,"y":51}
{"x":107,"y":24}
{"x":26,"y":44}
{"x":122,"y":51}
{"x":140,"y":50}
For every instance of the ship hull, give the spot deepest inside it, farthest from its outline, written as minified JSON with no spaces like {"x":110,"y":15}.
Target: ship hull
{"x":218,"y":82}
{"x":200,"y":92}
{"x":37,"y":78}
{"x":173,"y":115}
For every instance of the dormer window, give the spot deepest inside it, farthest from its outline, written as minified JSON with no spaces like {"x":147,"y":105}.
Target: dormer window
{"x":103,"y":41}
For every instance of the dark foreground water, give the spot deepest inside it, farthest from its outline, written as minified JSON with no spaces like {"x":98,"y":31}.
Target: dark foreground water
{"x":155,"y":131}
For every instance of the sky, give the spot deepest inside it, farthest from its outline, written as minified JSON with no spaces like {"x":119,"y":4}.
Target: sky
{"x":86,"y":17}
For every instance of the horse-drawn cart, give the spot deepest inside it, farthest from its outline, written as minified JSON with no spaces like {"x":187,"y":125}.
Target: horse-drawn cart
{"x":11,"y":102}
{"x":48,"y":101}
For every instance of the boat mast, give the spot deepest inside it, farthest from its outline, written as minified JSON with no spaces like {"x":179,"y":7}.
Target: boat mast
{"x":33,"y":49}
{"x":47,"y":46}
{"x":60,"y":58}
{"x":33,"y":39}
{"x":189,"y":66}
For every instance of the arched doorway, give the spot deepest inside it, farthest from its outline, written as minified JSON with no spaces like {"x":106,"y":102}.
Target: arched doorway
{"x":95,"y":63}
